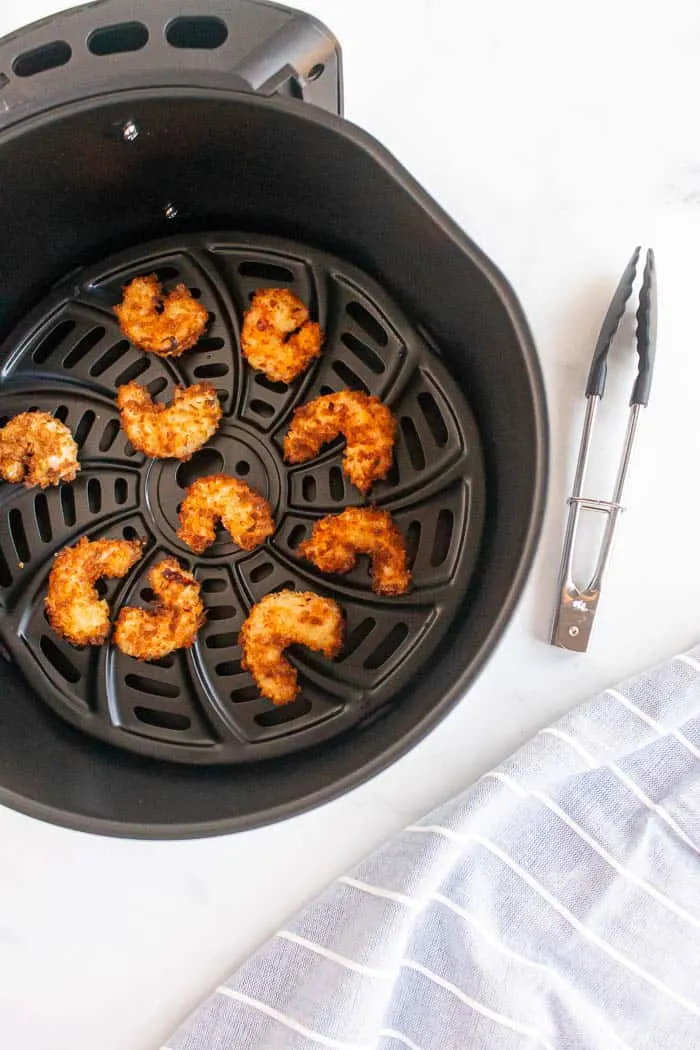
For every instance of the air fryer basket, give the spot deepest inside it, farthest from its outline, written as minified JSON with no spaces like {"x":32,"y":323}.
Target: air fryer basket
{"x":199,"y":705}
{"x":195,"y":155}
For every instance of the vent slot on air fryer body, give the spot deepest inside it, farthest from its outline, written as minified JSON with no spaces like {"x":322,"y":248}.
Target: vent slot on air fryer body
{"x":200,"y":706}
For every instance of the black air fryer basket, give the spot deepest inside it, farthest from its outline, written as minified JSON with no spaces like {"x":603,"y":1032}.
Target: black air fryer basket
{"x":208,"y":148}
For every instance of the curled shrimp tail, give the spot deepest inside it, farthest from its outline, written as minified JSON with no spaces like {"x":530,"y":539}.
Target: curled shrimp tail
{"x":173,"y":431}
{"x":282,"y":619}
{"x":73,"y":606}
{"x":366,"y":423}
{"x":37,"y":449}
{"x":336,"y":541}
{"x":277,"y":337}
{"x":150,"y":634}
{"x":161,"y":324}
{"x":218,"y":497}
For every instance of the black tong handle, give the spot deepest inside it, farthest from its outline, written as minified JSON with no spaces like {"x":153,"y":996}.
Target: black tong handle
{"x":646,"y":331}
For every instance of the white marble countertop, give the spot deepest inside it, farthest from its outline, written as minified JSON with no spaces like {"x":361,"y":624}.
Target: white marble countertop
{"x":559,"y":136}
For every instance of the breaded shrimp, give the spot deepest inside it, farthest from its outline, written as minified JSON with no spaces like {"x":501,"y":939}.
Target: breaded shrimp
{"x":337,"y":539}
{"x":173,"y":431}
{"x":72,"y":604}
{"x":368,"y":426}
{"x":173,"y":624}
{"x":277,"y":336}
{"x":166,"y":325}
{"x":37,"y":449}
{"x":242,"y":511}
{"x":287,"y":618}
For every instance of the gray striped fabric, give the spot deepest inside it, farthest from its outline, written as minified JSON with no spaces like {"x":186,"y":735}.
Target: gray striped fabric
{"x":555,"y":904}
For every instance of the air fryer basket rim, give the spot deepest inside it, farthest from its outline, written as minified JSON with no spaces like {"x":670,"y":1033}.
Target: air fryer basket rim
{"x":386,"y":754}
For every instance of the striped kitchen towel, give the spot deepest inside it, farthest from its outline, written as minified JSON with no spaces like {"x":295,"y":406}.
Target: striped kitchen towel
{"x":554,"y":904}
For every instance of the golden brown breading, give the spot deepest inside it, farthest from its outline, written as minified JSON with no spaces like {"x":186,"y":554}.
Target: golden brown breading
{"x":337,"y":539}
{"x":73,"y":606}
{"x":173,"y":624}
{"x":173,"y":431}
{"x":37,"y":449}
{"x":368,"y":426}
{"x":166,"y":325}
{"x":287,"y":618}
{"x":277,"y":336}
{"x":241,"y":510}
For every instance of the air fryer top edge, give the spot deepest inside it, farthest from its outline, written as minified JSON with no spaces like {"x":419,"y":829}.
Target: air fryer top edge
{"x":387,"y":740}
{"x":246,"y":45}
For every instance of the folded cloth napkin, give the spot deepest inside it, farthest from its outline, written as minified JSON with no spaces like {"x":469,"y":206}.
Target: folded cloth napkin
{"x":554,"y":904}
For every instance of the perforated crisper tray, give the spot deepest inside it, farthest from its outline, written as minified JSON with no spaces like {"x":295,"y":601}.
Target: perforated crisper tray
{"x":199,"y":706}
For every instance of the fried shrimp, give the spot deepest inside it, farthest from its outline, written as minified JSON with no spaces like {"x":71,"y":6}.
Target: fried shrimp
{"x":72,"y":604}
{"x":37,"y":449}
{"x":173,"y":431}
{"x":337,"y":540}
{"x":241,"y":510}
{"x":166,"y":325}
{"x":287,"y":618}
{"x":173,"y":624}
{"x":277,"y":337}
{"x":368,"y":426}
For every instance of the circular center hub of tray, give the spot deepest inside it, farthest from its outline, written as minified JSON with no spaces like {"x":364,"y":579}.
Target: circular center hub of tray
{"x":234,"y":451}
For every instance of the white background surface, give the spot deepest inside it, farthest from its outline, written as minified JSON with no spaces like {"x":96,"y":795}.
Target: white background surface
{"x":559,"y":136}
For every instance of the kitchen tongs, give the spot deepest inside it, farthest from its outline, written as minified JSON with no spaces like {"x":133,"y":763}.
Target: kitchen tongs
{"x":576,"y":608}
